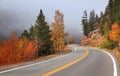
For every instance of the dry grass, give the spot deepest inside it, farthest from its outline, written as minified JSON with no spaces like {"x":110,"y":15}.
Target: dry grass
{"x":67,"y":49}
{"x":117,"y":54}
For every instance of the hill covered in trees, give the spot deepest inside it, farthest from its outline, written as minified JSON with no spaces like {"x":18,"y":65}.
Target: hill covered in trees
{"x":103,"y":31}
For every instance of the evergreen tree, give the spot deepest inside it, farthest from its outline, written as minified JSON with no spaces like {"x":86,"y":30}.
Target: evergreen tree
{"x":102,"y":22}
{"x":110,"y":4}
{"x":25,"y":33}
{"x":116,"y":8}
{"x":114,"y":11}
{"x":85,"y":24}
{"x":106,"y":30}
{"x":32,"y":33}
{"x":96,"y":18}
{"x":43,"y":35}
{"x":92,"y":20}
{"x":88,"y":24}
{"x":101,"y":14}
{"x":111,"y":12}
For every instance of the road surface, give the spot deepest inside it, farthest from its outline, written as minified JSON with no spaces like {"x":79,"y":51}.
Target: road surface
{"x":80,"y":62}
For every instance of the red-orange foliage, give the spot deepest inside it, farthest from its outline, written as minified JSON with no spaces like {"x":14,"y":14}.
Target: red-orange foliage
{"x":115,"y":33}
{"x":16,"y":50}
{"x":71,"y":40}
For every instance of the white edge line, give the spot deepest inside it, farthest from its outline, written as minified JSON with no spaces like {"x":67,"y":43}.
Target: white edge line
{"x":114,"y":62}
{"x":37,"y":62}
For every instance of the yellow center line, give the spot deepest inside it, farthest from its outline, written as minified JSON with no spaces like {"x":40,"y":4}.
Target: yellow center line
{"x":67,"y":65}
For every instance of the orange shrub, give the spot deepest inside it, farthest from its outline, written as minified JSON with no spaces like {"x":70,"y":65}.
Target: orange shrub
{"x":115,"y":33}
{"x":15,"y":50}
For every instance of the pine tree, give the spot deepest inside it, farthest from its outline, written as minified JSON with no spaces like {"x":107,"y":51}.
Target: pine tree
{"x":114,"y":11}
{"x":96,"y":18}
{"x":110,"y":4}
{"x":106,"y":30}
{"x":88,"y":24}
{"x":26,"y":34}
{"x":101,"y":14}
{"x":102,"y":23}
{"x":116,"y":8}
{"x":32,"y":33}
{"x":85,"y":24}
{"x":92,"y":20}
{"x":43,"y":35}
{"x":110,"y":11}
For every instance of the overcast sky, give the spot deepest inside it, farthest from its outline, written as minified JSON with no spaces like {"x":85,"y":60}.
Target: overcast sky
{"x":17,"y":15}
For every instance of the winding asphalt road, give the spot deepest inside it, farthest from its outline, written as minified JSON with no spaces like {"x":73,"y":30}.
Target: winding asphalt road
{"x":80,"y":62}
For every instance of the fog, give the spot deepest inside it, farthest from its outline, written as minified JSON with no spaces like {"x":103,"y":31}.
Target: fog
{"x":18,"y":15}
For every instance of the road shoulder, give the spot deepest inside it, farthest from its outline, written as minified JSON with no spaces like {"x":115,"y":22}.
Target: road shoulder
{"x":44,"y":58}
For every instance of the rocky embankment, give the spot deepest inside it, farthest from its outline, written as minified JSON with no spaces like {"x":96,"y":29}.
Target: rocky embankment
{"x":93,"y":39}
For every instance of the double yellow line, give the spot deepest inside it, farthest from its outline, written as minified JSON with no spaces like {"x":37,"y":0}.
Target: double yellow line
{"x":67,"y":65}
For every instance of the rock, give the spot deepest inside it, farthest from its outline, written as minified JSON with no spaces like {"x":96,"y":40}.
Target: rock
{"x":93,"y":39}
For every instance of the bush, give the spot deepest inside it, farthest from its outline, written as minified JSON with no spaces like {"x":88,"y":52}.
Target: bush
{"x":107,"y":44}
{"x":16,"y":50}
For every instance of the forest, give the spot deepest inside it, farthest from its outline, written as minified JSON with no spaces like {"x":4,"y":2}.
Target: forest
{"x":103,"y":31}
{"x":43,"y":39}
{"x":39,"y":40}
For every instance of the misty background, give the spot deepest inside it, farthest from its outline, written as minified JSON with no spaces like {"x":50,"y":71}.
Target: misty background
{"x":18,"y":15}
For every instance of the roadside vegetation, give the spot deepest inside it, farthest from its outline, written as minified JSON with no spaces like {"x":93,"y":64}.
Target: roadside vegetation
{"x":106,"y":32}
{"x":37,"y":41}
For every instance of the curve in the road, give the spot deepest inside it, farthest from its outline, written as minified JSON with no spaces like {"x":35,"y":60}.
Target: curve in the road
{"x":114,"y":63}
{"x":67,"y":65}
{"x":96,"y":63}
{"x":29,"y":65}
